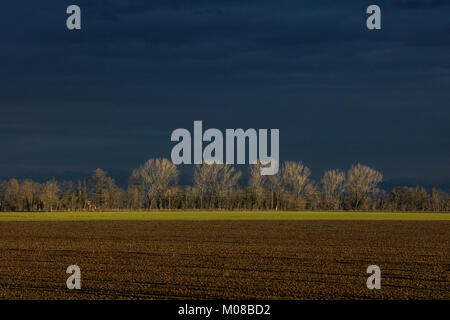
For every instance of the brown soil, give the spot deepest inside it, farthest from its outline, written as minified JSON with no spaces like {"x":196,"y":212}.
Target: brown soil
{"x":225,"y":259}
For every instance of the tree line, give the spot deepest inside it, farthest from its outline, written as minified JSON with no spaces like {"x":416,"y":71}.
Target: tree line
{"x":218,"y":186}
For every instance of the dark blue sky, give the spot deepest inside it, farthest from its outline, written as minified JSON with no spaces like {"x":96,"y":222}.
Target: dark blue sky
{"x":110,"y":95}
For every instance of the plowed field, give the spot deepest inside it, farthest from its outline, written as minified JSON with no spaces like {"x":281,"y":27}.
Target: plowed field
{"x":225,"y":259}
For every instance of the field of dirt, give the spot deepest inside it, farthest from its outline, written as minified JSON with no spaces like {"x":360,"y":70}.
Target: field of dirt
{"x":225,"y":259}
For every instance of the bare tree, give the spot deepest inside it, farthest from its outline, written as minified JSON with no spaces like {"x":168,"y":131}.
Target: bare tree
{"x":136,"y":197}
{"x":206,"y":182}
{"x":332,"y":184}
{"x":437,"y":201}
{"x":29,"y":194}
{"x":228,"y":178}
{"x":12,"y":198}
{"x":295,"y":177}
{"x":81,"y":196}
{"x":275,"y":187}
{"x":156,"y":176}
{"x":215,"y":182}
{"x":50,"y":195}
{"x":201,"y":182}
{"x":257,"y":184}
{"x":312,"y":196}
{"x":115,"y":196}
{"x":361,"y":183}
{"x":216,"y":186}
{"x":99,"y":188}
{"x":68,"y":195}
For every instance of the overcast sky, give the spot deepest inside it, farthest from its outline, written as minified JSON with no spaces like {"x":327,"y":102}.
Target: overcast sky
{"x":110,"y":95}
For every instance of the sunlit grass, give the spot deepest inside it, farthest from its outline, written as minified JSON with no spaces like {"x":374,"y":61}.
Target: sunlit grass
{"x":218,"y":215}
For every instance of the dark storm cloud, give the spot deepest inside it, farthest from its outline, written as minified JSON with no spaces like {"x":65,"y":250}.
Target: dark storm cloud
{"x":420,"y":4}
{"x":109,"y":95}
